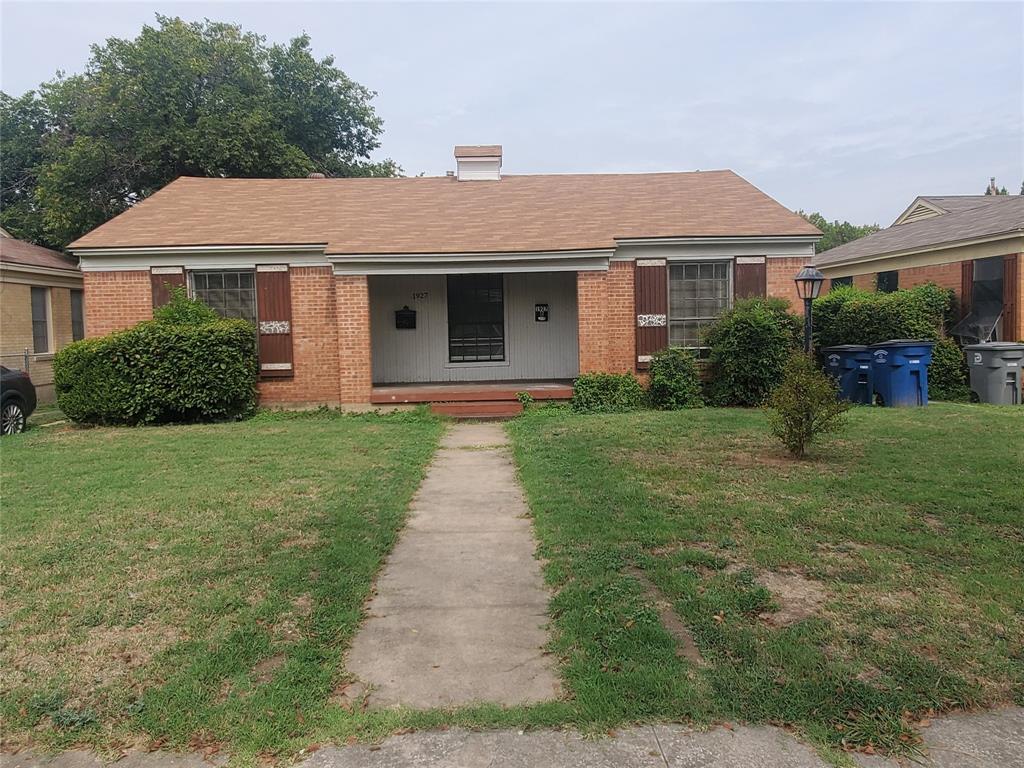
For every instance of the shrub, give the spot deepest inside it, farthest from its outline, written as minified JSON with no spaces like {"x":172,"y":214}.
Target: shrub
{"x":181,"y":310}
{"x":852,"y":316}
{"x":159,"y":372}
{"x":607,"y":393}
{"x":806,"y":404}
{"x":948,"y":373}
{"x":675,"y":382}
{"x":749,"y":347}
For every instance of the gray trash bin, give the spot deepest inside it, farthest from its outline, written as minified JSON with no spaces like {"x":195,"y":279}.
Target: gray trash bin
{"x":995,"y":371}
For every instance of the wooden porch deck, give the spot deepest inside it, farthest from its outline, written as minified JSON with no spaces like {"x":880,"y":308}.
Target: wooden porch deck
{"x":486,"y":399}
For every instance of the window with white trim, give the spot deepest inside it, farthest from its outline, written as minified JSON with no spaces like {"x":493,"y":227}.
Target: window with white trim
{"x":229,"y":293}
{"x":698,"y":292}
{"x":40,"y":320}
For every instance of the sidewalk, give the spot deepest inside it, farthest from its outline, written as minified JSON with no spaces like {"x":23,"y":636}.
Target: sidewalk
{"x":459,"y":610}
{"x":976,"y":740}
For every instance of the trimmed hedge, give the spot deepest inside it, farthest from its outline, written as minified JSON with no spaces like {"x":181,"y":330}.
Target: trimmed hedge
{"x":160,"y":372}
{"x":675,"y":381}
{"x":750,"y":345}
{"x":607,"y":393}
{"x":850,"y":315}
{"x":948,"y":374}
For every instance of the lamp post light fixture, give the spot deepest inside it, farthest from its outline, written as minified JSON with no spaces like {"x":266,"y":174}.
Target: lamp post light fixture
{"x":808,"y":285}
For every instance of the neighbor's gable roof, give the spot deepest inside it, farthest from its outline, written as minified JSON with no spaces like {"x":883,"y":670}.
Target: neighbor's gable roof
{"x":443,"y":215}
{"x":969,"y":218}
{"x":26,"y":254}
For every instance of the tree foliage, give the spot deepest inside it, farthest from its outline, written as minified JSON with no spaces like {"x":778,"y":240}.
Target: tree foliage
{"x":835,"y":233}
{"x":181,"y":99}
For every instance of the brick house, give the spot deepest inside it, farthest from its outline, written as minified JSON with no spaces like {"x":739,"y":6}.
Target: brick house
{"x":973,"y":244}
{"x":41,"y":309}
{"x":373,"y":290}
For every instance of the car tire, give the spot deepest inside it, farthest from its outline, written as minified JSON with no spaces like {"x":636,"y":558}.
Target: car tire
{"x":12,"y":417}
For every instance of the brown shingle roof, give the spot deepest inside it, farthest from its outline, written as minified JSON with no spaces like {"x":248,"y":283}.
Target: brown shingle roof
{"x":999,"y":215}
{"x":443,"y":215}
{"x":19,"y":252}
{"x":478,"y":150}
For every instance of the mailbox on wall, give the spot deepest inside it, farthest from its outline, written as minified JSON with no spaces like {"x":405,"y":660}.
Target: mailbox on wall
{"x":405,"y":318}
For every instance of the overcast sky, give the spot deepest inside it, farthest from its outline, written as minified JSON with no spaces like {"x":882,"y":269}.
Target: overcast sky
{"x":848,"y":109}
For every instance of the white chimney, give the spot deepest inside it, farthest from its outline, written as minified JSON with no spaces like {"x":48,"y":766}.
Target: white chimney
{"x":478,"y":162}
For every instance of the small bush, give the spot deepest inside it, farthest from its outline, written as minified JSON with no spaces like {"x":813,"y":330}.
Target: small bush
{"x":181,"y":310}
{"x":159,"y":372}
{"x":749,"y":347}
{"x":675,"y":382}
{"x":607,"y":393}
{"x":948,"y":373}
{"x":806,"y":404}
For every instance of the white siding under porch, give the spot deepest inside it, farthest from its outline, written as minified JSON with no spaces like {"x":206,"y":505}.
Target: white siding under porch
{"x":533,"y":350}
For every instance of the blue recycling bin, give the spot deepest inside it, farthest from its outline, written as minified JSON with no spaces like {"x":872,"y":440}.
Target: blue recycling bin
{"x":850,"y":366}
{"x":899,"y":371}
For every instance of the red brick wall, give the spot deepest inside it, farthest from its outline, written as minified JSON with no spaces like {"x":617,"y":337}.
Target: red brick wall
{"x":943,"y":275}
{"x":352,"y":294}
{"x":314,"y":343}
{"x":867,"y":282}
{"x":607,"y":322}
{"x":116,"y":300}
{"x":780,"y":274}
{"x":621,"y":349}
{"x":592,"y":311}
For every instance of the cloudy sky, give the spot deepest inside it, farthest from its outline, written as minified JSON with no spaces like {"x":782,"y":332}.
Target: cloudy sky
{"x":850,"y":109}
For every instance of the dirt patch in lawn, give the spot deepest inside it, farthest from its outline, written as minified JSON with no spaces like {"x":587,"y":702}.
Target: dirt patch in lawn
{"x":263,"y":672}
{"x":685,"y":645}
{"x":798,"y":597}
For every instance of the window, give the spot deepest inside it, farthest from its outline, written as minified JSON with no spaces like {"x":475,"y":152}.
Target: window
{"x":77,"y":316}
{"x":888,"y":282}
{"x":40,"y":320}
{"x":476,"y":318}
{"x":229,"y":294}
{"x":698,"y":294}
{"x":838,"y":282}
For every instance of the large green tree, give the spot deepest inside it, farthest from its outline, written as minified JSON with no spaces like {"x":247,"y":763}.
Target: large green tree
{"x":199,"y":99}
{"x":836,"y":232}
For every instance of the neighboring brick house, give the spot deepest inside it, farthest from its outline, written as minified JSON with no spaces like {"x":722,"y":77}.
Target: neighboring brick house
{"x":973,"y":244}
{"x":41,"y":309}
{"x":359,"y":285}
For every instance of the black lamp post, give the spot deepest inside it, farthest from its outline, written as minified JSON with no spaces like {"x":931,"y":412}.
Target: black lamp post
{"x":808,"y":285}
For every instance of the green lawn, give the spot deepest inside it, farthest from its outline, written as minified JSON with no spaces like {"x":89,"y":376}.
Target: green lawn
{"x":195,"y":587}
{"x":901,"y":539}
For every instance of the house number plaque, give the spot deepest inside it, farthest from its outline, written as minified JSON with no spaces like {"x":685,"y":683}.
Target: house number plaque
{"x":540,"y":313}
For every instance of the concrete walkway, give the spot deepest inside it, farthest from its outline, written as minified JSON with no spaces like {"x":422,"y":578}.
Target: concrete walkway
{"x":459,"y":609}
{"x":975,"y":740}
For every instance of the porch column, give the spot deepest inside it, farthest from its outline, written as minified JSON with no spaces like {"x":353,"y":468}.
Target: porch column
{"x":352,"y":293}
{"x":592,"y":314}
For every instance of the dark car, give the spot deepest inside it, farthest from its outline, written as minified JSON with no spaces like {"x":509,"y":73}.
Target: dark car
{"x":17,"y":400}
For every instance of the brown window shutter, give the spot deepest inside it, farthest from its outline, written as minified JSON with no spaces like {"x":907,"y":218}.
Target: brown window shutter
{"x":274,"y":311}
{"x":966,"y":287}
{"x":161,"y":279}
{"x":651,"y":303}
{"x":1011,"y":276}
{"x":750,"y":279}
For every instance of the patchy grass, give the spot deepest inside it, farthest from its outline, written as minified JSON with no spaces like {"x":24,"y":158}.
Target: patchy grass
{"x":46,"y":413}
{"x":194,"y":586}
{"x":848,"y":596}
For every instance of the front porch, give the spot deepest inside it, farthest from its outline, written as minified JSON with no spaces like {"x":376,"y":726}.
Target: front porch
{"x":494,"y":399}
